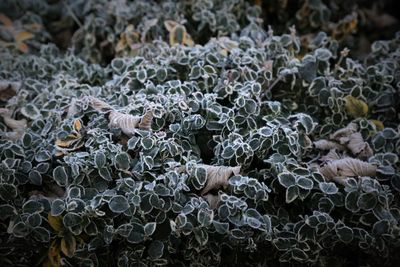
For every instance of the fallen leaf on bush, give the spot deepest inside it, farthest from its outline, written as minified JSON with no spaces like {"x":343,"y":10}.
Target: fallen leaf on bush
{"x":6,"y":21}
{"x":129,"y":123}
{"x":53,"y":255}
{"x":348,"y":167}
{"x":23,"y":36}
{"x":328,"y":145}
{"x":98,"y":104}
{"x":8,"y":89}
{"x":213,"y":200}
{"x":217,"y":176}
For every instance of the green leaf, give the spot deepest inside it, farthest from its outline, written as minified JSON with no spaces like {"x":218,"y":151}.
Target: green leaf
{"x":221,"y":227}
{"x":367,"y":201}
{"x":156,"y":249}
{"x":328,"y":188}
{"x":35,"y":177}
{"x":71,"y":219}
{"x":122,"y":161}
{"x":292,"y":192}
{"x":100,"y":159}
{"x":118,"y":204}
{"x":149,"y":228}
{"x":105,"y":174}
{"x":286,"y":179}
{"x":345,"y":234}
{"x":60,"y":176}
{"x":305,"y":183}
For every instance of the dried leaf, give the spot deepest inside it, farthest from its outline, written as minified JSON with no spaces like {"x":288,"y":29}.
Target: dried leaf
{"x":77,"y":125}
{"x":55,"y":222}
{"x":98,"y":104}
{"x":348,"y":167}
{"x":6,"y":21}
{"x":328,"y":145}
{"x":344,"y":132}
{"x":217,"y":176}
{"x":213,"y":200}
{"x":64,"y":143}
{"x":68,"y":245}
{"x":121,"y":43}
{"x":332,"y":155}
{"x":23,"y":36}
{"x":8,"y":89}
{"x":16,"y":125}
{"x":53,"y":254}
{"x":353,"y":141}
{"x":22,"y":47}
{"x":145,"y":122}
{"x":358,"y":146}
{"x":126,"y":122}
{"x":355,"y":107}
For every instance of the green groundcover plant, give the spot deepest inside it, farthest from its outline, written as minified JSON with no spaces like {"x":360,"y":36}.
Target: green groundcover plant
{"x":199,"y":133}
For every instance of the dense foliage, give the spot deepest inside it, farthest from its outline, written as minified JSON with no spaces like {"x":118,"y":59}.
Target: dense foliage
{"x":146,"y":133}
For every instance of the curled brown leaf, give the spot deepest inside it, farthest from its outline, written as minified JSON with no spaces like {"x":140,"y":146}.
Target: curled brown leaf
{"x":336,"y":170}
{"x":217,"y":176}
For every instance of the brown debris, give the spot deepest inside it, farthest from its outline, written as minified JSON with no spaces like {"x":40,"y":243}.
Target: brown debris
{"x":217,"y":176}
{"x":8,"y":89}
{"x":336,"y":170}
{"x":324,"y":144}
{"x":213,"y":200}
{"x":18,"y":126}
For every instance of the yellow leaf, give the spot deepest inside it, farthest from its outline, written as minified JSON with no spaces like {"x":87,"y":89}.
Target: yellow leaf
{"x":54,"y":257}
{"x":355,"y":107}
{"x":6,"y":21}
{"x":22,"y":36}
{"x":77,"y":125}
{"x":379,"y":125}
{"x":68,"y":245}
{"x":55,"y":222}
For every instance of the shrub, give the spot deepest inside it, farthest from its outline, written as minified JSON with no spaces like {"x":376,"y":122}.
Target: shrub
{"x":188,"y":134}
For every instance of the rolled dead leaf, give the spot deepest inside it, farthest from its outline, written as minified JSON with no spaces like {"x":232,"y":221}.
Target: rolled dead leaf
{"x":16,"y":125}
{"x":213,"y":200}
{"x":145,"y":122}
{"x":8,"y":89}
{"x":344,"y":132}
{"x":99,"y":105}
{"x":358,"y":146}
{"x":332,"y":155}
{"x":324,"y":144}
{"x":347,"y":167}
{"x":126,"y":122}
{"x":217,"y":176}
{"x":353,"y":140}
{"x":129,"y":123}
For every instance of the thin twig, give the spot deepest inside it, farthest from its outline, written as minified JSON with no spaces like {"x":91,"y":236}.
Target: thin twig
{"x":71,"y":12}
